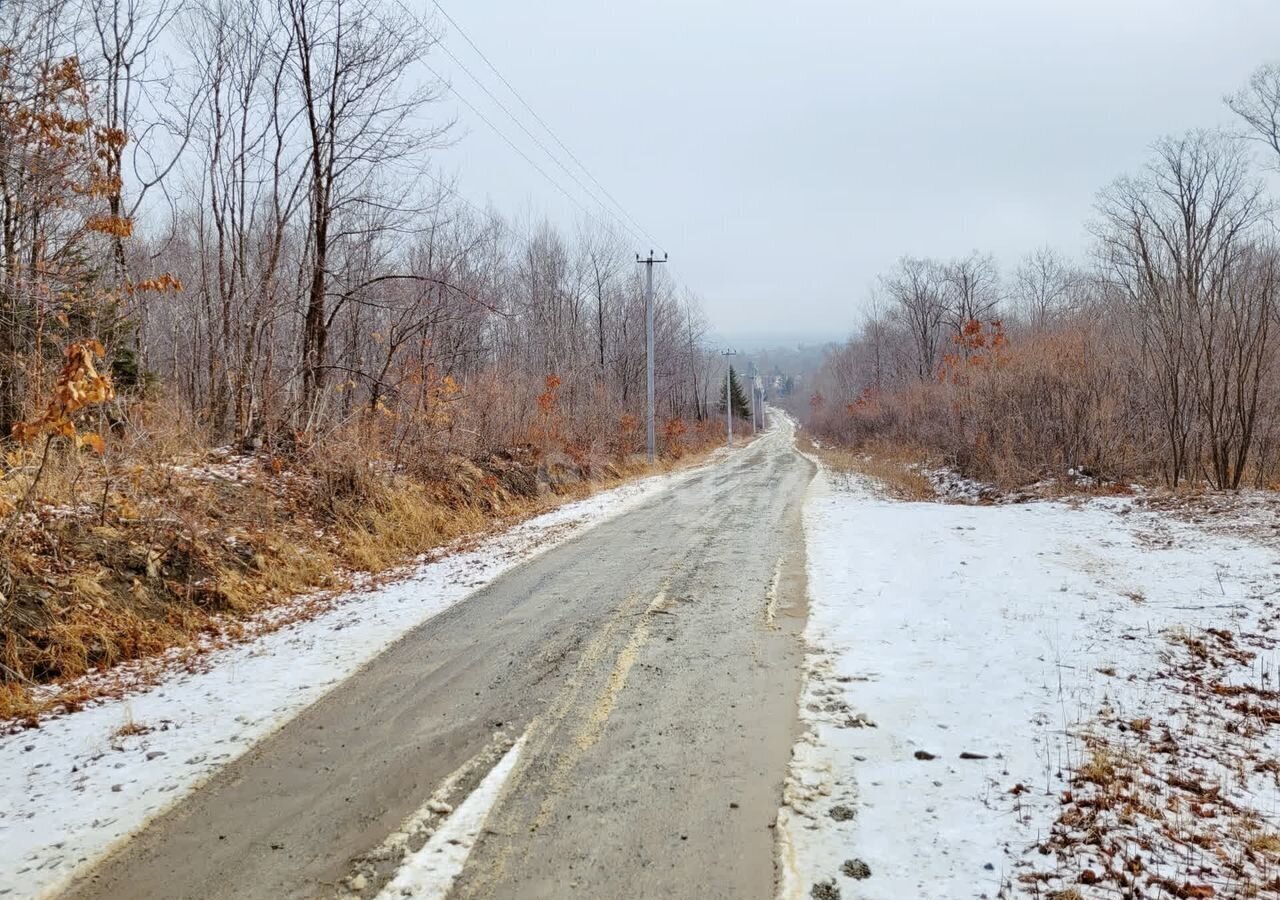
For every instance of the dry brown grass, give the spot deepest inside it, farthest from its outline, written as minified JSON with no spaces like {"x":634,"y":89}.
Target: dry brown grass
{"x":131,"y":728}
{"x":120,"y":563}
{"x":1266,"y":842}
{"x":895,"y":468}
{"x":1100,"y":768}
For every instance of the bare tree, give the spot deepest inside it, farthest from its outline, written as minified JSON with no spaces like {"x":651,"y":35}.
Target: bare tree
{"x":1233,"y":359}
{"x":348,"y":59}
{"x":1258,"y":104}
{"x":251,"y":188}
{"x":1170,"y":240}
{"x":916,"y":288}
{"x":127,"y":33}
{"x":971,"y":289}
{"x":1046,"y":287}
{"x":877,"y":336}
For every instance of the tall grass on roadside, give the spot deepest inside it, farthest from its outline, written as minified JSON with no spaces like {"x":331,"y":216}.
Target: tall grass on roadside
{"x":166,"y":539}
{"x":894,"y":468}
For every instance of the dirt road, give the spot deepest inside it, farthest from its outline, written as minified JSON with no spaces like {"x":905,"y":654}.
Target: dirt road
{"x":652,"y":668}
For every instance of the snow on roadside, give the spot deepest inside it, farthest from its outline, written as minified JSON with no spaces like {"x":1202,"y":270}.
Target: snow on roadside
{"x":951,"y":485}
{"x":1020,"y":701}
{"x":81,"y":783}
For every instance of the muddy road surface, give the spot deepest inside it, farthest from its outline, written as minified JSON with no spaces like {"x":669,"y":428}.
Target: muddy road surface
{"x":650,"y":670}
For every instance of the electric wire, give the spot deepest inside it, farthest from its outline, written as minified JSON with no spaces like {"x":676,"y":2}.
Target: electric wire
{"x":607,"y":226}
{"x":538,"y":143}
{"x":525,"y":156}
{"x":541,"y":121}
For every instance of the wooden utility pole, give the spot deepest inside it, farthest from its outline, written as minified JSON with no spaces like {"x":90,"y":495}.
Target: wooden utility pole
{"x":728,"y":391}
{"x":651,"y":440}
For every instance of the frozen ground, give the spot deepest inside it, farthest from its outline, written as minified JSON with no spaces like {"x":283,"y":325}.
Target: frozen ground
{"x":80,"y":783}
{"x":1034,"y":700}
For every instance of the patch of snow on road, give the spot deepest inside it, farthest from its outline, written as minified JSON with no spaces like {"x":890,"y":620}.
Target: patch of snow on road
{"x":1032,"y":700}
{"x":80,"y":784}
{"x":430,"y":873}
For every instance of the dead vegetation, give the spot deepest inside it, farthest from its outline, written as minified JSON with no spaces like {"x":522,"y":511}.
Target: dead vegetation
{"x":897,"y":470}
{"x":1158,"y":362}
{"x":1166,"y":805}
{"x":156,"y":547}
{"x":908,"y":471}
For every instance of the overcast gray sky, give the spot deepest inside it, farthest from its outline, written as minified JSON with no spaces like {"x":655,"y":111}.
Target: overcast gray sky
{"x":787,"y":153}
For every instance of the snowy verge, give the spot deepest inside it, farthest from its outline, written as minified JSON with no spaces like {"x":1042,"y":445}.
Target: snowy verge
{"x":1032,"y":700}
{"x":81,"y":783}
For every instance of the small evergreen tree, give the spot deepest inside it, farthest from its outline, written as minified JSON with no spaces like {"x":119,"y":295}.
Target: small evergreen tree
{"x":741,"y":407}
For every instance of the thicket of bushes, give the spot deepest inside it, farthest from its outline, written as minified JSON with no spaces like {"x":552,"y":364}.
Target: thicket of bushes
{"x":1158,"y":360}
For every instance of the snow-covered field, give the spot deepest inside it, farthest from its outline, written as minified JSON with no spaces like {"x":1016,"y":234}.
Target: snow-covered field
{"x":1033,"y":700}
{"x":80,"y":783}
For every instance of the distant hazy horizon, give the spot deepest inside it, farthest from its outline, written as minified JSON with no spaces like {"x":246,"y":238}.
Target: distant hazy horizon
{"x":786,"y":157}
{"x":748,"y":342}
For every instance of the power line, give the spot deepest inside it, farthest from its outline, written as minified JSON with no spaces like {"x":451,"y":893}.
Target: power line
{"x":516,"y":148}
{"x":512,"y":144}
{"x":474,"y":207}
{"x":515,"y":93}
{"x":541,"y":146}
